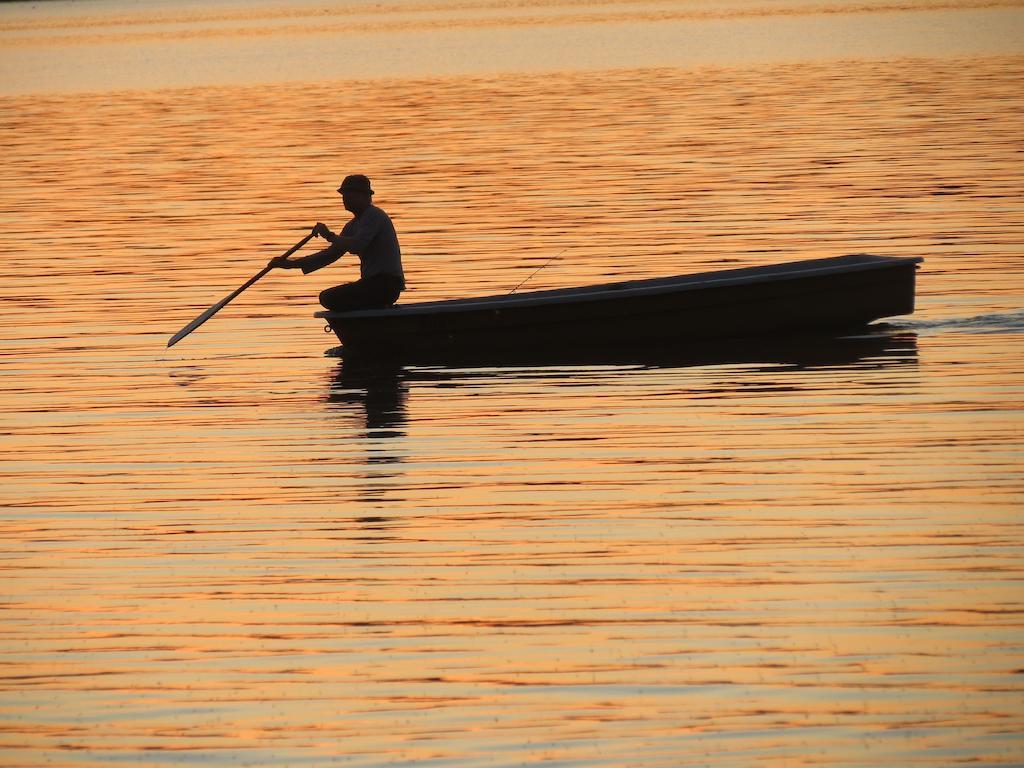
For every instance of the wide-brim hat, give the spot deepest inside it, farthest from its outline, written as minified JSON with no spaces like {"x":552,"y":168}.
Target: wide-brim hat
{"x":356,"y":183}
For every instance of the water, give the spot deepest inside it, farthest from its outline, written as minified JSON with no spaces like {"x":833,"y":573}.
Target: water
{"x":242,"y":551}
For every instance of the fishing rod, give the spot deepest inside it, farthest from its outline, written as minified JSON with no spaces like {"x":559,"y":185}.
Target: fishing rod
{"x":538,"y":270}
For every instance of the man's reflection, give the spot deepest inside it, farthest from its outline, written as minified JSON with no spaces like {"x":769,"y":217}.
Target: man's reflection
{"x":379,"y":387}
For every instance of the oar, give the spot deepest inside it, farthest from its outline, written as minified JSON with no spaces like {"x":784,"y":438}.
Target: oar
{"x":224,"y":302}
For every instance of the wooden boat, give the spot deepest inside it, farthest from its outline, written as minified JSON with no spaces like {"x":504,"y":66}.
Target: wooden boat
{"x":806,"y":297}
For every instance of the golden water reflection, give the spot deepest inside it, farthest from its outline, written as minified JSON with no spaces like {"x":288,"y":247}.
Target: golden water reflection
{"x":240,"y":550}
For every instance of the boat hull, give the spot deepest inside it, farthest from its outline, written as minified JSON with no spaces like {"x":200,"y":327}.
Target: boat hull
{"x":818,"y":296}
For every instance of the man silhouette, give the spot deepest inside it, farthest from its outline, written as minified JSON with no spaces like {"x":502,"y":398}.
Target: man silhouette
{"x":371,"y":236}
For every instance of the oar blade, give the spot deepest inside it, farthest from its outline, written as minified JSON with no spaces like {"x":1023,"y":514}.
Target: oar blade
{"x":194,"y":324}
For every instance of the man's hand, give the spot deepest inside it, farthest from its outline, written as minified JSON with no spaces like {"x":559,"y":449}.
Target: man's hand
{"x":281,"y":262}
{"x":321,"y":230}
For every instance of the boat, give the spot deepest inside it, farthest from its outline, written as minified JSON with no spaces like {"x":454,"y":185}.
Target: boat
{"x":815,"y":296}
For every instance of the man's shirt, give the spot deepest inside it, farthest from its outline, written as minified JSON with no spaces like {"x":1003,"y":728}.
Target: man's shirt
{"x":375,"y":243}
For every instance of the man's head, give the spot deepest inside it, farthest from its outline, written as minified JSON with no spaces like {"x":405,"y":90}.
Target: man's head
{"x":356,"y":193}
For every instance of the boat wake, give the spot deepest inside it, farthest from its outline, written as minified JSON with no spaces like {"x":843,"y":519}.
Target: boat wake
{"x":1005,"y":322}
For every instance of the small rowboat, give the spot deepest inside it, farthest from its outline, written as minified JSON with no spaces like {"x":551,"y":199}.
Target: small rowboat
{"x":807,"y":297}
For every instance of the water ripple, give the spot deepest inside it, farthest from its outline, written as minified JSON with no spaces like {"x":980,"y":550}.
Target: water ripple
{"x":239,"y":551}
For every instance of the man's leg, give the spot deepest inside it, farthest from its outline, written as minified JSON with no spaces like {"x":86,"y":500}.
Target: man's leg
{"x":372,"y":293}
{"x":347,"y":297}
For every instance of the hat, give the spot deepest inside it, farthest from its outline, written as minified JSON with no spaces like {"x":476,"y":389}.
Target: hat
{"x":356,"y":183}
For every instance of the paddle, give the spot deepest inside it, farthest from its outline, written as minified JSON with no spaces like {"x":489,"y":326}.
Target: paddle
{"x":224,"y":302}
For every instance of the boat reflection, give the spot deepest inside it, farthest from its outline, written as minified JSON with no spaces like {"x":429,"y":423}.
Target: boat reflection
{"x":381,"y":377}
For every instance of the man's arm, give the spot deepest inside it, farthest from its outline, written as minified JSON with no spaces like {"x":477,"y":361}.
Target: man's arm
{"x":320,"y":259}
{"x":317,"y":260}
{"x":313,"y":262}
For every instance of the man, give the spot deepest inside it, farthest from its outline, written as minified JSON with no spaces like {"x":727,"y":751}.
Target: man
{"x":371,"y":236}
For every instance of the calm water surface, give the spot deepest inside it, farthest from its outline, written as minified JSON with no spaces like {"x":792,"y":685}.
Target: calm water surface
{"x":242,"y":551}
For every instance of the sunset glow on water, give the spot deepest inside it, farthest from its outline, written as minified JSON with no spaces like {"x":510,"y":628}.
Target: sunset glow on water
{"x":241,"y":551}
